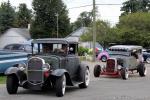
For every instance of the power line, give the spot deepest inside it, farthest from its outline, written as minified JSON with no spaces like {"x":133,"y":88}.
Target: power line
{"x":80,"y":6}
{"x":92,"y":5}
{"x":109,"y":4}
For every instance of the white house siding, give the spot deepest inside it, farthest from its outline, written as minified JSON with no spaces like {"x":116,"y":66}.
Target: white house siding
{"x":11,"y":37}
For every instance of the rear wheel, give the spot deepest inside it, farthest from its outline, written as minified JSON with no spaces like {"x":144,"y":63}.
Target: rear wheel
{"x":12,"y":84}
{"x":142,"y":70}
{"x":97,"y":70}
{"x":86,"y":78}
{"x":60,"y":86}
{"x":124,"y":73}
{"x":103,"y":58}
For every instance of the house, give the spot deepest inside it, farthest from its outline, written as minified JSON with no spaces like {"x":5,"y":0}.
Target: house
{"x":75,"y":35}
{"x":14,"y":35}
{"x":78,"y":33}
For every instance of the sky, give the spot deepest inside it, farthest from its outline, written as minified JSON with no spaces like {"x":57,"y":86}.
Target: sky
{"x":108,"y":13}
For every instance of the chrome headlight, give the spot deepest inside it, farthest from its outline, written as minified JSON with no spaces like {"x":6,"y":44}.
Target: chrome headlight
{"x":22,"y":67}
{"x":46,"y":67}
{"x":119,"y":67}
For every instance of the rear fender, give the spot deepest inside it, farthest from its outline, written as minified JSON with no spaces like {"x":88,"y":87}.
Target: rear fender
{"x":84,"y":66}
{"x":82,"y":69}
{"x":58,"y":72}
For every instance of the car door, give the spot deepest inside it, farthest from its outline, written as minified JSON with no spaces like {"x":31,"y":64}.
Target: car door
{"x":132,"y":62}
{"x":72,"y":65}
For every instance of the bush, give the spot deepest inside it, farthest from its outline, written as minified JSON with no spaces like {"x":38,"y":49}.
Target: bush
{"x":82,"y":51}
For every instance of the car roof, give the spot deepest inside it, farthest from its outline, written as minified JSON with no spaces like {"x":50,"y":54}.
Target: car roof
{"x":15,"y":44}
{"x":55,"y":40}
{"x":125,"y":47}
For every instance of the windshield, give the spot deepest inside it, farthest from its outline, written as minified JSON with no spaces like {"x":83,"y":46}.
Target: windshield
{"x":47,"y":48}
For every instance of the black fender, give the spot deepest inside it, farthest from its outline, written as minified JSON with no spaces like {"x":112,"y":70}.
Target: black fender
{"x":60,"y":72}
{"x":11,"y":70}
{"x":16,"y":71}
{"x":83,"y":67}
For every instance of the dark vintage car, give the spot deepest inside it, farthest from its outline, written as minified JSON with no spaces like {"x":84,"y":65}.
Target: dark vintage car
{"x":56,"y":64}
{"x":146,"y":55}
{"x":123,"y":58}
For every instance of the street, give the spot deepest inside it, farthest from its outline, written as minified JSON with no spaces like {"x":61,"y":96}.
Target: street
{"x":103,"y":88}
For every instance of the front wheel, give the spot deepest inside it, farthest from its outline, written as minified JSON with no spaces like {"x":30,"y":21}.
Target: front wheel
{"x":86,"y":79}
{"x":60,"y":86}
{"x":148,"y":60}
{"x":12,"y":84}
{"x":97,"y":70}
{"x":142,"y":70}
{"x":124,"y":73}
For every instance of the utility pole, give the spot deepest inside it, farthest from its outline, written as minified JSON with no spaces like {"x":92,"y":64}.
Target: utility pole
{"x":57,"y":25}
{"x":94,"y":30}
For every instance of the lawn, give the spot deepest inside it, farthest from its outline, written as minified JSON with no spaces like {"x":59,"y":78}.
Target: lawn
{"x":2,"y":79}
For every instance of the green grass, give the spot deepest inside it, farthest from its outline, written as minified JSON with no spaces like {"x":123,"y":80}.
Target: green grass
{"x":2,"y":79}
{"x":86,"y":58}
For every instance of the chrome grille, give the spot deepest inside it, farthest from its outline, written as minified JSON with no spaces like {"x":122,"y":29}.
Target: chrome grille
{"x":110,"y":65}
{"x":35,"y":73}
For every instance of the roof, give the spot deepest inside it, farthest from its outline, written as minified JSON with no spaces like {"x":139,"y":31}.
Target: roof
{"x":125,"y":47}
{"x":22,"y":31}
{"x":75,"y":35}
{"x":55,"y":40}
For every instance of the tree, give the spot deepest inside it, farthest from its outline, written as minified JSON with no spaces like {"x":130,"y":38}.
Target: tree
{"x":135,"y":29}
{"x":23,"y":16}
{"x":84,"y":20}
{"x":133,"y":6}
{"x":7,"y":16}
{"x":105,"y":34}
{"x":45,"y":23}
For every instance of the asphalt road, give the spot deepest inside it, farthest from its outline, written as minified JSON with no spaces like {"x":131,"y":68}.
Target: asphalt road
{"x":103,"y":88}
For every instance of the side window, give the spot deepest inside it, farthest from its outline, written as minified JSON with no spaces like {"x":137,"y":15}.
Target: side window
{"x":134,"y":54}
{"x":28,"y":48}
{"x":17,"y":47}
{"x":8,"y":47}
{"x":72,"y":48}
{"x":21,"y":47}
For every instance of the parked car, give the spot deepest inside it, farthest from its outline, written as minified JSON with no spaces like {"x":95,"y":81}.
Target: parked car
{"x":9,"y":59}
{"x":19,"y":48}
{"x":146,"y":55}
{"x":123,"y":58}
{"x":103,"y":55}
{"x":56,"y":64}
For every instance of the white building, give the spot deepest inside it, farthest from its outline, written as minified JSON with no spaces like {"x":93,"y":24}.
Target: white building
{"x":14,"y":35}
{"x":76,"y":37}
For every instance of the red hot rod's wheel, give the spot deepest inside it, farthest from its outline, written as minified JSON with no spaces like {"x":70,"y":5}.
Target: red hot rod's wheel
{"x":97,"y":70}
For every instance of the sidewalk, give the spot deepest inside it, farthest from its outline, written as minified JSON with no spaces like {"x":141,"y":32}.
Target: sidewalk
{"x":2,"y":85}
